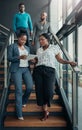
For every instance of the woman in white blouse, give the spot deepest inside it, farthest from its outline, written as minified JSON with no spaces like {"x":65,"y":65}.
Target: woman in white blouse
{"x":18,"y":56}
{"x":44,"y":72}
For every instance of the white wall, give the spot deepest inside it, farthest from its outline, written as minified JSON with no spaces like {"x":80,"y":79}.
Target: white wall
{"x":54,"y":15}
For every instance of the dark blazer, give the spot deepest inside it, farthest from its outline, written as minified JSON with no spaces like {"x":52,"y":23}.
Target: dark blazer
{"x":12,"y":56}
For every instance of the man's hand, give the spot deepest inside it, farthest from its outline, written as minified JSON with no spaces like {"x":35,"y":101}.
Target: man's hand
{"x":33,"y":43}
{"x":31,"y":33}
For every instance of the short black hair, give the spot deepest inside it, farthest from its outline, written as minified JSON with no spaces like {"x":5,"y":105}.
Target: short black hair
{"x":46,"y":35}
{"x":22,"y":33}
{"x":22,"y":3}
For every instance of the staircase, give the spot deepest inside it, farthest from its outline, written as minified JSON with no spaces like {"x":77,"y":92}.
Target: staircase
{"x":3,"y":39}
{"x":32,"y":114}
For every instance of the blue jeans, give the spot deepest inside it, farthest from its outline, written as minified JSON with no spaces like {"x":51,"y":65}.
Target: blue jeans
{"x":22,"y":73}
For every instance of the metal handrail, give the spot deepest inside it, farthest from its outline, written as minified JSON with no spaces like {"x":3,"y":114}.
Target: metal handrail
{"x":74,"y":12}
{"x":75,"y":69}
{"x":3,"y":53}
{"x":3,"y":49}
{"x":2,"y":26}
{"x":6,"y":34}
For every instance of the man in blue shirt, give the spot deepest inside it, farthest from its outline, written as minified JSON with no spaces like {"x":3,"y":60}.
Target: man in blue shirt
{"x":22,"y":22}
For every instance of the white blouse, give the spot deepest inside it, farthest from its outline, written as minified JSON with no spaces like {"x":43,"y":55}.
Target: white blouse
{"x":47,"y":57}
{"x":23,"y":63}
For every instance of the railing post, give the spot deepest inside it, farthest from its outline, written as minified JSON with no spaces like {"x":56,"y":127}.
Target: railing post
{"x":12,"y":37}
{"x":5,"y":69}
{"x":75,"y":100}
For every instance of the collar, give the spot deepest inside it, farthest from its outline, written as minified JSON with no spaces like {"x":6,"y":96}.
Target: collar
{"x":21,"y":13}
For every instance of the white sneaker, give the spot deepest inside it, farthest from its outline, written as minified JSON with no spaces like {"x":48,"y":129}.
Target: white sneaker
{"x":21,"y":118}
{"x":24,"y":105}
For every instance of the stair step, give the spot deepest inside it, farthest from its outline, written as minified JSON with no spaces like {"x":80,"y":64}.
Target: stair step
{"x":1,"y":79}
{"x":1,"y":66}
{"x":32,"y":96}
{"x":32,"y":107}
{"x":12,"y":96}
{"x":1,"y":87}
{"x":1,"y":72}
{"x":0,"y":94}
{"x":34,"y":121}
{"x":12,"y":87}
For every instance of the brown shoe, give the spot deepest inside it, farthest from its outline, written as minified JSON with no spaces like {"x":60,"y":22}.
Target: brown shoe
{"x":45,"y":115}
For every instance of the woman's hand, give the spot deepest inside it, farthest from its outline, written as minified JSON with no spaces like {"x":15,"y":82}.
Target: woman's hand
{"x":61,"y":60}
{"x":73,"y":63}
{"x":24,"y":57}
{"x":35,"y":60}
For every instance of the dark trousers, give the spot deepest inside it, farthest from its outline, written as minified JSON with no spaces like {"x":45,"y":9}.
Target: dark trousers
{"x":44,"y":83}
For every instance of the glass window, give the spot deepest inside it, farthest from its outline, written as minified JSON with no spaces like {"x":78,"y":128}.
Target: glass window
{"x":70,"y":45}
{"x":69,"y":7}
{"x":60,"y":13}
{"x":80,"y":45}
{"x":77,"y":1}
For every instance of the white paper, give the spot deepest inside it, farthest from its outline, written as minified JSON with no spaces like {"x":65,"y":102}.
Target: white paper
{"x":31,"y":56}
